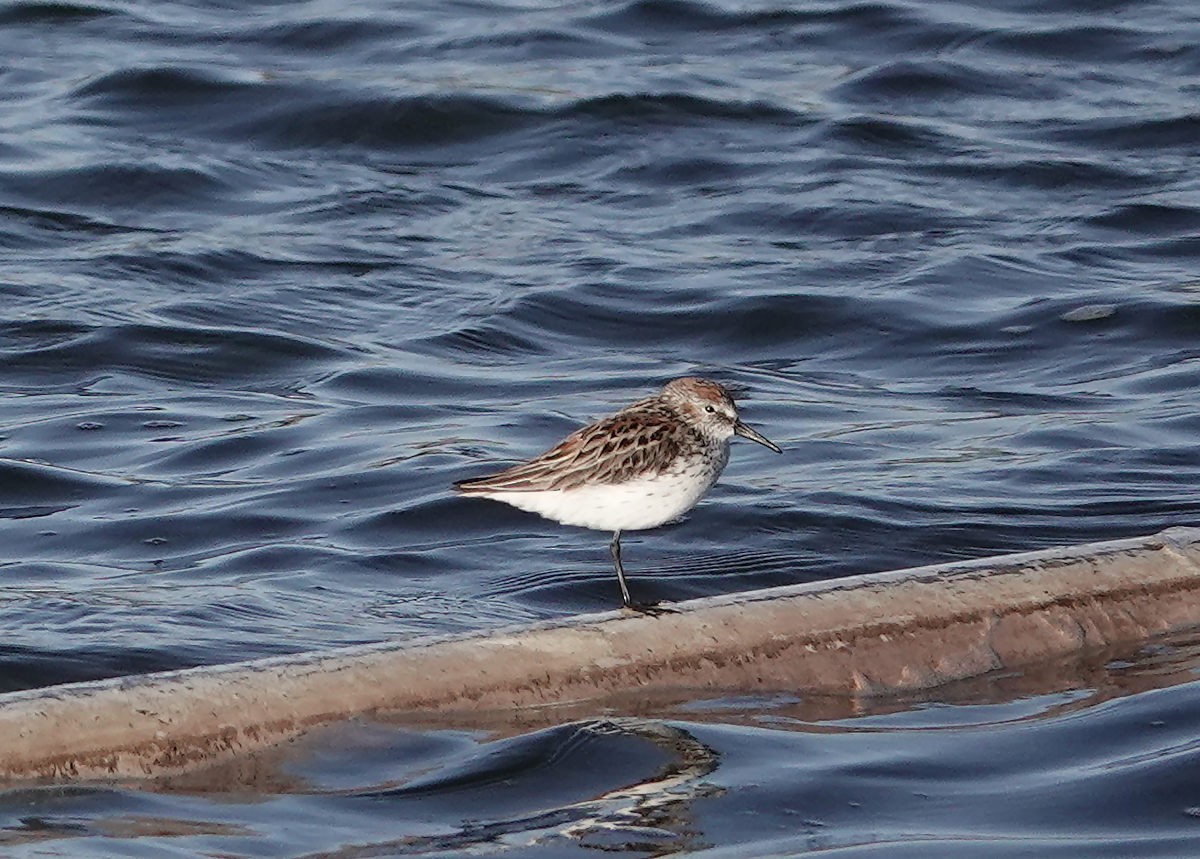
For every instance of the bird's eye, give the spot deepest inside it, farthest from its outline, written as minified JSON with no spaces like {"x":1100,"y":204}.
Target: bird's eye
{"x":709,"y":409}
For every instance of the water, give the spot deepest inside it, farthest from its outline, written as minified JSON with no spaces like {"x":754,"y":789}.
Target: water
{"x":1105,"y":770}
{"x":276,"y":274}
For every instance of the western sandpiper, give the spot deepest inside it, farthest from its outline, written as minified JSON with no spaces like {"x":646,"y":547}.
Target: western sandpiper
{"x":645,"y":466}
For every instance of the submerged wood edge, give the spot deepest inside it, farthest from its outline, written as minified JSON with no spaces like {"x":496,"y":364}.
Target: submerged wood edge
{"x":866,"y":635}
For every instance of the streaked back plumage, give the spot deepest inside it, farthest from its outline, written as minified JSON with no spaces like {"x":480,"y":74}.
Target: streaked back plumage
{"x":641,"y":440}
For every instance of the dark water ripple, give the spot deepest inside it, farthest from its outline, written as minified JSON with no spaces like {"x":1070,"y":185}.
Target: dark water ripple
{"x":274,"y":276}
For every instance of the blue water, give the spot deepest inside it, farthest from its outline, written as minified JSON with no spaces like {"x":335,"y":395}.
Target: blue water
{"x":276,"y":274}
{"x":999,"y":769}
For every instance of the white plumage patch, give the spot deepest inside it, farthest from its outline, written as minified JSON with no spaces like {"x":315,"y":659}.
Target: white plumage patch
{"x":634,"y":505}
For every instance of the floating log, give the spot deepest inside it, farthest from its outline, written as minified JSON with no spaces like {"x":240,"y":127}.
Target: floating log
{"x":864,"y":635}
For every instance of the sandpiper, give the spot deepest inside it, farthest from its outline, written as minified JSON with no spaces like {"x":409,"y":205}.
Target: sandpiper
{"x":645,"y":466}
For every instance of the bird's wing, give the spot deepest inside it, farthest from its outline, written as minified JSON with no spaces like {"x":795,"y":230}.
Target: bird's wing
{"x":612,"y":450}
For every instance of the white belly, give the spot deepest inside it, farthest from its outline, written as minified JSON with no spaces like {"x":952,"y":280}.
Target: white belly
{"x":631,"y":506}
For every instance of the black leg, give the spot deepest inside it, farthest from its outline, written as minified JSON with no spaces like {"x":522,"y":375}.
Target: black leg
{"x":615,"y":549}
{"x":645,"y":608}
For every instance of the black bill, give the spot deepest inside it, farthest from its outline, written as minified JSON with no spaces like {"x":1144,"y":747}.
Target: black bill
{"x":744,"y":431}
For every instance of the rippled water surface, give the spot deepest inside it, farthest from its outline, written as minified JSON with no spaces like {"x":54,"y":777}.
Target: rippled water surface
{"x":1104,"y":770}
{"x":276,"y":274}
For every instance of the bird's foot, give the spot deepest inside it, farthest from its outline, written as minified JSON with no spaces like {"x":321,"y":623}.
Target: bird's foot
{"x":654,"y":609}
